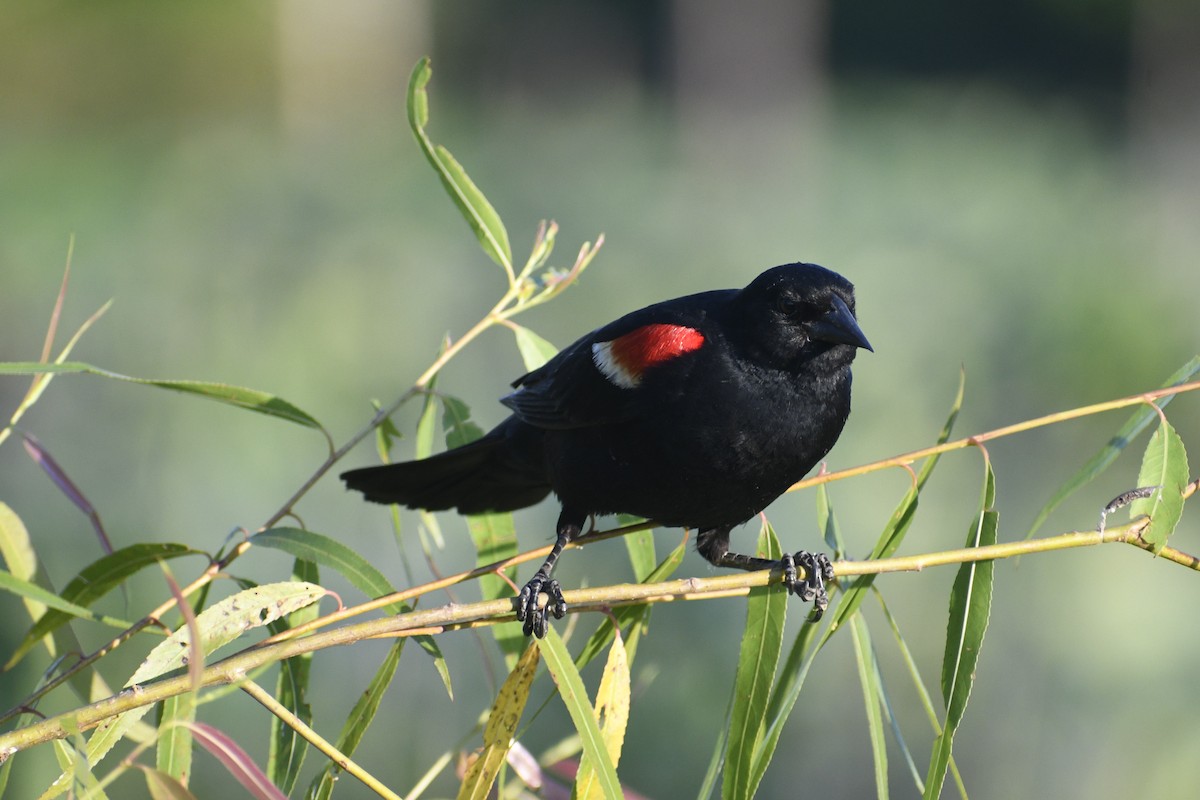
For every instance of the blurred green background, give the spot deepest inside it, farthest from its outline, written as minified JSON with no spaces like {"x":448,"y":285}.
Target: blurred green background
{"x":1014,"y":188}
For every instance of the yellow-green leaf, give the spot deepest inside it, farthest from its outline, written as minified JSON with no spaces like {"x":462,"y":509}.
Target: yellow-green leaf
{"x":612,"y":715}
{"x":574,"y":697}
{"x":501,"y":727}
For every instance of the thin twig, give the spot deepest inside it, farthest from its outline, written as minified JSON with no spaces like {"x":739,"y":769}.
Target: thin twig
{"x":316,"y":740}
{"x":490,"y":612}
{"x":1021,"y":427}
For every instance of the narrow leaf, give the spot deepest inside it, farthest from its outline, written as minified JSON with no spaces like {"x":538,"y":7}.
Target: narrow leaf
{"x":237,"y":761}
{"x":344,"y":560}
{"x":612,"y":715}
{"x":472,"y":204}
{"x":287,"y":749}
{"x":1164,"y":464}
{"x":574,"y":697}
{"x":250,"y":399}
{"x":535,"y":351}
{"x":359,"y":720}
{"x":495,"y":538}
{"x":640,"y":546}
{"x":386,"y":434}
{"x":501,"y":727}
{"x":163,"y":786}
{"x":36,"y":594}
{"x":807,"y":643}
{"x":868,"y":675}
{"x":173,"y":752}
{"x":227,"y":620}
{"x":625,"y":615}
{"x":716,"y":761}
{"x":922,"y":692}
{"x":16,"y":548}
{"x":456,"y":421}
{"x":329,"y":552}
{"x":57,"y":474}
{"x":1102,"y":460}
{"x":219,"y":625}
{"x":195,"y":656}
{"x":41,"y":382}
{"x":93,"y":582}
{"x":970,"y":608}
{"x":827,"y":522}
{"x":762,"y":641}
{"x":494,"y":535}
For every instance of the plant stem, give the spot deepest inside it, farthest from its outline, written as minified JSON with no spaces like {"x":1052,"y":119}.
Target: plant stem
{"x":453,"y":617}
{"x":316,"y":740}
{"x":906,"y":459}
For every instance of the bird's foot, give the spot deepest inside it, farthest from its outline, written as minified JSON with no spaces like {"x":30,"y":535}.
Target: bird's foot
{"x":817,"y":571}
{"x":533,"y":615}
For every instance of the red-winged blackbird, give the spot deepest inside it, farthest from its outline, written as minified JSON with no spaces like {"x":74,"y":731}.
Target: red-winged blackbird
{"x":695,"y":412}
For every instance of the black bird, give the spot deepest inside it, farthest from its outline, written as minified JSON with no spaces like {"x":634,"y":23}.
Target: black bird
{"x":695,"y":412}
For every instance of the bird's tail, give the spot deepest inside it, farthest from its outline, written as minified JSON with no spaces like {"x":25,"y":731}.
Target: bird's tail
{"x":493,"y":473}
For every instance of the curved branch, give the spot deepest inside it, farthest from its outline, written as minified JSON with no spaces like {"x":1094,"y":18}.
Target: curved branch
{"x":235,"y":669}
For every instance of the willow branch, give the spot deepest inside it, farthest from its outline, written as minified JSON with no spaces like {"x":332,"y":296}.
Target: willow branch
{"x":322,"y":744}
{"x":458,"y":616}
{"x":905,"y":459}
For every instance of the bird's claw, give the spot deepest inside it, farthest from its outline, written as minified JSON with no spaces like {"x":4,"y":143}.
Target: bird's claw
{"x":817,"y":571}
{"x":528,"y":610}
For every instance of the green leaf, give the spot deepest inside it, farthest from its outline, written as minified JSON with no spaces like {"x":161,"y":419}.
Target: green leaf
{"x":331,"y":553}
{"x":574,"y":696}
{"x":494,"y":535}
{"x":173,"y":752}
{"x":612,"y":715}
{"x":716,"y":761}
{"x":626,"y":615}
{"x":36,"y":594}
{"x":386,"y":434}
{"x":535,"y":351}
{"x":219,"y":625}
{"x":501,"y":727}
{"x":456,"y":421}
{"x":827,"y":522}
{"x":93,"y":582}
{"x":1102,"y":460}
{"x":922,"y":692}
{"x":807,"y":643}
{"x":970,"y":608}
{"x":77,"y":775}
{"x":1165,"y":465}
{"x":640,"y":546}
{"x":162,"y":786}
{"x":472,"y":204}
{"x":344,"y":560}
{"x":361,"y":716}
{"x":762,"y":641}
{"x":495,"y":538}
{"x":226,"y":621}
{"x":287,"y":749}
{"x":250,"y":399}
{"x":423,"y":441}
{"x":868,"y":676}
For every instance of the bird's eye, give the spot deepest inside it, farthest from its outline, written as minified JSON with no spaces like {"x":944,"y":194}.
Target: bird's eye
{"x":787,"y":306}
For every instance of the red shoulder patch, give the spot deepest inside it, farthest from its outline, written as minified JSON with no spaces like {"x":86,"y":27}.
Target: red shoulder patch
{"x":626,"y":358}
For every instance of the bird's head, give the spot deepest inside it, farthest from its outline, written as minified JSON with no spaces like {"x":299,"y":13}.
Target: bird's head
{"x":800,"y":313}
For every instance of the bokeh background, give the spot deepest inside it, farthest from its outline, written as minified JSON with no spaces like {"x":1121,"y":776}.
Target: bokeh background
{"x":1013,"y":187}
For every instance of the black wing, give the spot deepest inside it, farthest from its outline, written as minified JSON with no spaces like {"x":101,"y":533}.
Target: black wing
{"x":570,"y":390}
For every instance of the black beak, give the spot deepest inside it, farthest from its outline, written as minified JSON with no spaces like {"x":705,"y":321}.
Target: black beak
{"x":840,"y":327}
